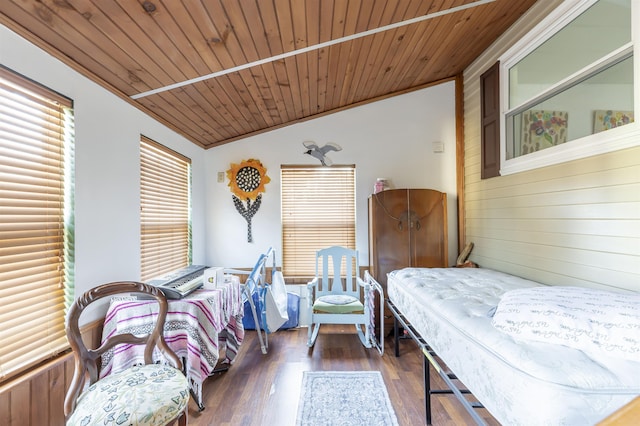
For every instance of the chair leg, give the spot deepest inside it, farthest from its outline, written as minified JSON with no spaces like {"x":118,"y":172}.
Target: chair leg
{"x":364,"y":339}
{"x":313,"y":334}
{"x":183,"y":419}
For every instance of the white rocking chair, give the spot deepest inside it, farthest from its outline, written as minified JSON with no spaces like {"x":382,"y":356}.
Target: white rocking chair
{"x":337,"y":295}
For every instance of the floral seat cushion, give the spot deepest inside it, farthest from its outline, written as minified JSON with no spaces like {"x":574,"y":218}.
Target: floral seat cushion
{"x":151,"y":394}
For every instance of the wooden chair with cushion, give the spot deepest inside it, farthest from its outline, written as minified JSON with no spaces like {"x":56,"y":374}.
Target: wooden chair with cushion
{"x":149,"y":394}
{"x":337,"y":295}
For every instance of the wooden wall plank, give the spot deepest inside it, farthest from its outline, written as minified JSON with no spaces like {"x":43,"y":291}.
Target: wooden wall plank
{"x":624,"y":192}
{"x":300,"y":41}
{"x":414,"y":40}
{"x":334,"y":51}
{"x":253,"y":44}
{"x":277,"y":77}
{"x":344,"y":55}
{"x":40,"y":399}
{"x":20,"y":405}
{"x":546,"y":242}
{"x":58,"y":389}
{"x":109,"y":18}
{"x":312,"y":36}
{"x":387,"y":45}
{"x":285,"y":21}
{"x":365,"y":21}
{"x":586,"y":227}
{"x":232,"y":115}
{"x":326,"y":16}
{"x":5,"y":408}
{"x":181,"y":23}
{"x":41,"y":21}
{"x":372,"y":50}
{"x":36,"y":397}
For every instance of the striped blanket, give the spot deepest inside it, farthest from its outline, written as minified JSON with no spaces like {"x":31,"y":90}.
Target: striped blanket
{"x":196,"y":328}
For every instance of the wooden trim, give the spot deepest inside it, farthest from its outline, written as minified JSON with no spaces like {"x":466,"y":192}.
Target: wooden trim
{"x":460,"y":160}
{"x":627,"y":415}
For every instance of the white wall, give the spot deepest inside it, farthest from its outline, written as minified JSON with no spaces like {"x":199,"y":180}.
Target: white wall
{"x":107,"y":201}
{"x":392,"y":138}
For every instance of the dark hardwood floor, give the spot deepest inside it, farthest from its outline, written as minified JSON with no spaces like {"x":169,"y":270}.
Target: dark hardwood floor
{"x":263,"y":390}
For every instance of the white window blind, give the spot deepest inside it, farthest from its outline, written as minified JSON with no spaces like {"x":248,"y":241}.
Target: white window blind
{"x":165,"y":221}
{"x":36,"y":222}
{"x":318,"y":211}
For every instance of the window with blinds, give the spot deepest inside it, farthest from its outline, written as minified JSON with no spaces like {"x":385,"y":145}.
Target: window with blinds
{"x":36,"y":222}
{"x":165,"y":210}
{"x":318,"y":211}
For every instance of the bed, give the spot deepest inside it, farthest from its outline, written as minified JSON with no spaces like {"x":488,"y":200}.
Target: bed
{"x":513,"y":345}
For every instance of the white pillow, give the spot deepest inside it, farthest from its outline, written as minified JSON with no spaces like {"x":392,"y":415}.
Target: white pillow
{"x":591,"y":320}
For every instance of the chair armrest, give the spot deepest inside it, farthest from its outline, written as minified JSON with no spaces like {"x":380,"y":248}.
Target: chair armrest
{"x":372,"y":282}
{"x":313,"y":283}
{"x":363,"y":283}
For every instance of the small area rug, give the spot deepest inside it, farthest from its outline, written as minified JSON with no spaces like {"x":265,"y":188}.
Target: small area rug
{"x":344,"y":398}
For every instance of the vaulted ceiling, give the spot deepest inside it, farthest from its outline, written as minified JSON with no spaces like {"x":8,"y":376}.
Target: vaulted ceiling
{"x":220,"y":70}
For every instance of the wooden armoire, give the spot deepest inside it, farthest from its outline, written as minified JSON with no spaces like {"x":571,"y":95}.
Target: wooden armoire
{"x":407,"y":228}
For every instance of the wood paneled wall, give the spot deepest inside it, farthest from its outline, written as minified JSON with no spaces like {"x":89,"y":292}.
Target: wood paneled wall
{"x":574,"y":223}
{"x":36,"y":397}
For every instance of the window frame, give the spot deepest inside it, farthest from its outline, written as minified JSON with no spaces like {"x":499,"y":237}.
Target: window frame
{"x":305,"y":264}
{"x":599,"y":143}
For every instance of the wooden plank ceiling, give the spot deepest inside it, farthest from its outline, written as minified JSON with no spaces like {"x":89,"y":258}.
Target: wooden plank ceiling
{"x":220,"y":70}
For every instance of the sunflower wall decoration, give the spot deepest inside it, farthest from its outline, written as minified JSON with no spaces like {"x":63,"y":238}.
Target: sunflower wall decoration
{"x":247,"y":181}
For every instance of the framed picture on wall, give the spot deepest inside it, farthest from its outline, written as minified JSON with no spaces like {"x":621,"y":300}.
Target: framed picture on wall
{"x":543,"y":129}
{"x":605,"y":119}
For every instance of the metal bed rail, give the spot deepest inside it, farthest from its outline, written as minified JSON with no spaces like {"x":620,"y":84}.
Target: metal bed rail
{"x":430,"y":356}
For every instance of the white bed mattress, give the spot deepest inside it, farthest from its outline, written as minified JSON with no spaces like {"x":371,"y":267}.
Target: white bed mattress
{"x":520,"y":383}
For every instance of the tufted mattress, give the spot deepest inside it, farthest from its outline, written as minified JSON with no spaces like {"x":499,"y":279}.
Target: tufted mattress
{"x":520,"y":382}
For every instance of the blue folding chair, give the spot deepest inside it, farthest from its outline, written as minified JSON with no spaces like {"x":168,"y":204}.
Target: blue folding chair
{"x":256,"y":285}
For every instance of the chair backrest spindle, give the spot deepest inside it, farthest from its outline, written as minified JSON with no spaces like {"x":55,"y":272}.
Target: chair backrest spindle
{"x":338,"y":273}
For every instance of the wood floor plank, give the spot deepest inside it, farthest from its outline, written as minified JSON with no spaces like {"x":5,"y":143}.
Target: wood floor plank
{"x":263,"y":390}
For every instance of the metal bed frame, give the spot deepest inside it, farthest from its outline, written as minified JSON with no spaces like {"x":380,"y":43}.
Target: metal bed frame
{"x":431,"y":358}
